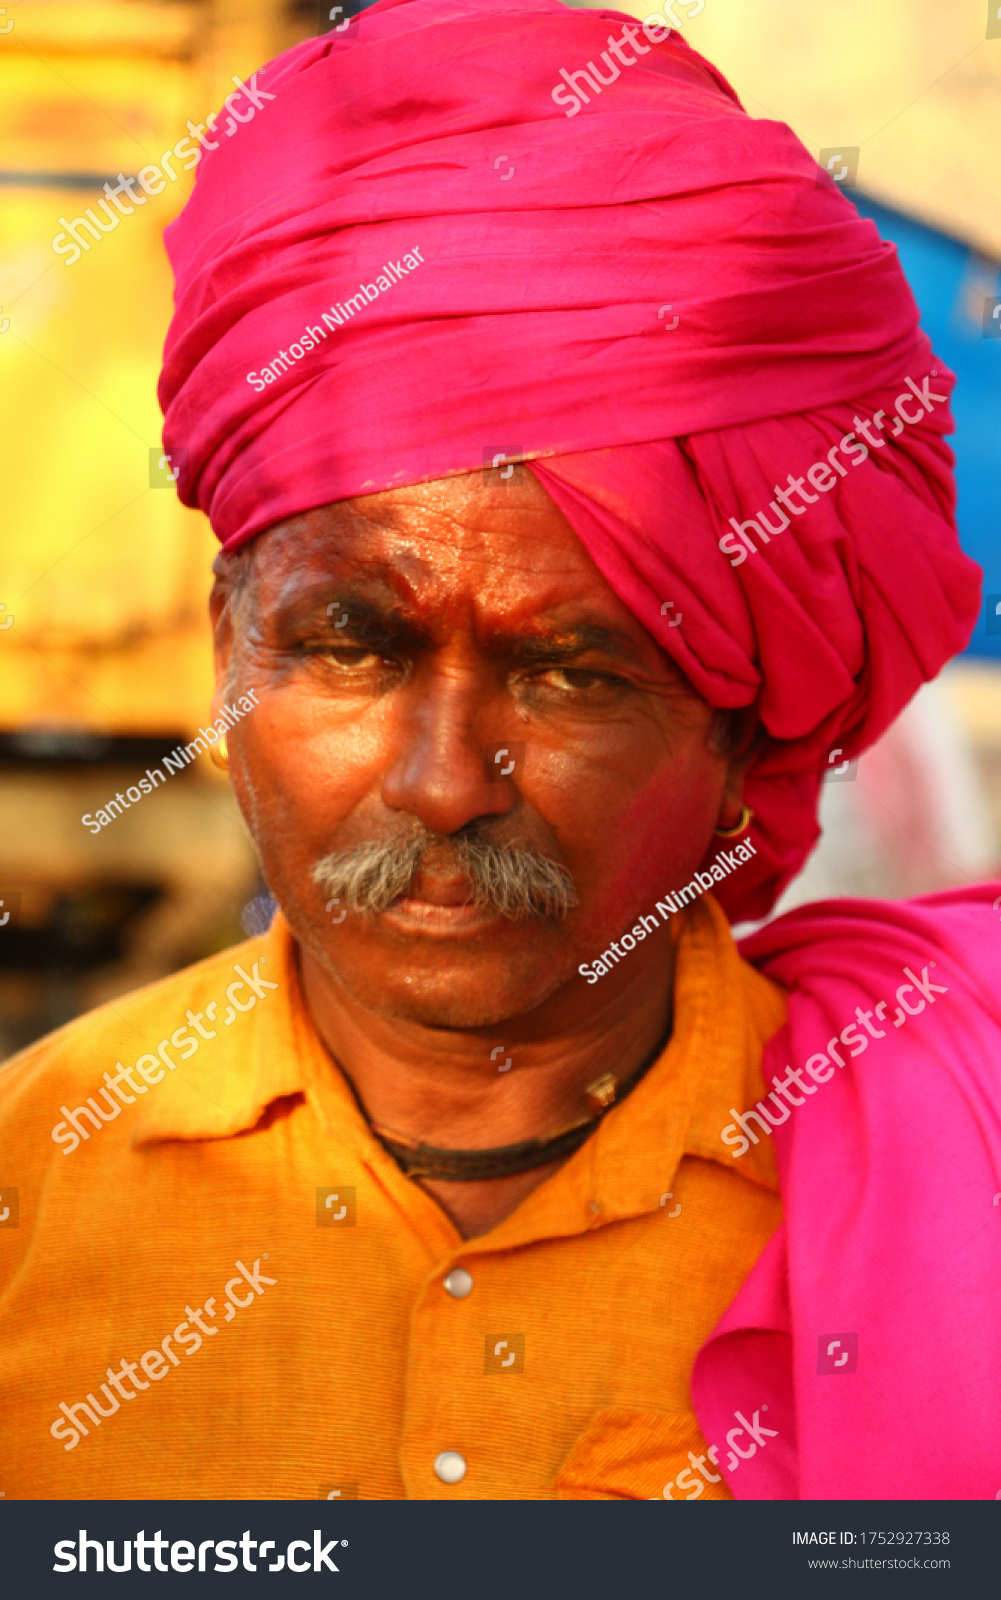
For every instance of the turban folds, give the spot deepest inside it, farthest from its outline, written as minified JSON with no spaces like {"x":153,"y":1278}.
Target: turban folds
{"x":659,"y":302}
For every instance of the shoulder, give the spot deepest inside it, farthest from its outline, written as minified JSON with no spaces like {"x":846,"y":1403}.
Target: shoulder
{"x":908,"y":987}
{"x":106,"y":1086}
{"x":71,"y":1061}
{"x":857,"y":940}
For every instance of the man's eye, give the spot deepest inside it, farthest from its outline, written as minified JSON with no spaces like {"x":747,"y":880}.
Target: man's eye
{"x":352,"y":658}
{"x":574,"y":680}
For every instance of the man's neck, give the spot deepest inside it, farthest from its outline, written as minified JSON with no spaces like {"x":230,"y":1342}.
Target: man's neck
{"x":453,"y":1089}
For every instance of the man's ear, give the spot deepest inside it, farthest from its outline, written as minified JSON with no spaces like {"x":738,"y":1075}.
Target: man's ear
{"x":229,"y":602}
{"x":739,"y":736}
{"x":221,"y":614}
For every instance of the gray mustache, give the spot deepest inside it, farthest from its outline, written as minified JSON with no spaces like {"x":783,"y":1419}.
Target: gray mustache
{"x":516,"y":881}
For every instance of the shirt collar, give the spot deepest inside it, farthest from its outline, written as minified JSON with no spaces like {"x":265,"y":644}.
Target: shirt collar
{"x":227,"y":1086}
{"x":723,"y":1012}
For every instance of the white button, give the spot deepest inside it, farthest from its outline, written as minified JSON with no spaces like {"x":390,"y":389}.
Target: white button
{"x":459,"y":1283}
{"x":450,"y":1466}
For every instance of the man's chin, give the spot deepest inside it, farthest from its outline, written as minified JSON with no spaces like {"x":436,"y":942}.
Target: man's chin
{"x":452,"y":994}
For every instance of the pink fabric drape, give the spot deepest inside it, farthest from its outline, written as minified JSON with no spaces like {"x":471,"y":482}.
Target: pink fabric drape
{"x":889,"y":1173}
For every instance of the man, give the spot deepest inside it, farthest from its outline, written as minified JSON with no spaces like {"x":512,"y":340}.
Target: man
{"x":499,"y":1170}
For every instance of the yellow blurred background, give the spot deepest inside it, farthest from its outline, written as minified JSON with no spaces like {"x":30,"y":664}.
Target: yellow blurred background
{"x":105,"y":662}
{"x":104,"y":644}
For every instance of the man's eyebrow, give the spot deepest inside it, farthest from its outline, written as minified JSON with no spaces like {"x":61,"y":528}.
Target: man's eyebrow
{"x":385,"y":619}
{"x":382,"y":618}
{"x":566,"y":644}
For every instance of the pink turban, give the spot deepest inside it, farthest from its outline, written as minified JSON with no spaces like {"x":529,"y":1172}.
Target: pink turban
{"x":414,"y":257}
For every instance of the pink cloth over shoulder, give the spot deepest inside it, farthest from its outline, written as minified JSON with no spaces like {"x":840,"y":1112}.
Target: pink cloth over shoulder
{"x":891,"y":1249}
{"x":414,"y":259}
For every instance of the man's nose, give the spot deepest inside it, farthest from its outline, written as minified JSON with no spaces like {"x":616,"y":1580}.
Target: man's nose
{"x":442,"y":773}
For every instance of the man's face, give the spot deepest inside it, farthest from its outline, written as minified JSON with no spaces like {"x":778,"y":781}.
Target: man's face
{"x":396,"y":643}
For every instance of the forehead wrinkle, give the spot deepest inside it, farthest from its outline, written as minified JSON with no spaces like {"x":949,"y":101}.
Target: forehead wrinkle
{"x":533,"y":531}
{"x":420,"y":549}
{"x":330,"y":566}
{"x":442,"y":575}
{"x":509,"y":569}
{"x":453,"y":552}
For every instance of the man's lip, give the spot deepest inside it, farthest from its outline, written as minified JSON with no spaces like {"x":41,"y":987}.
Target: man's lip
{"x":428,"y":917}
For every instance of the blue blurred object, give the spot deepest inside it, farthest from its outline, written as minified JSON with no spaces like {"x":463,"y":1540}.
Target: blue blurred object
{"x":956,"y":289}
{"x":258,"y":915}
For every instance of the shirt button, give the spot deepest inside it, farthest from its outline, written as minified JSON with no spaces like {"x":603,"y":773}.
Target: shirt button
{"x":459,"y":1283}
{"x":450,"y":1466}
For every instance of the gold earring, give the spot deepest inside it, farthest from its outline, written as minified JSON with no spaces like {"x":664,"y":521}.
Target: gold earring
{"x":219,"y":753}
{"x":731,"y":833}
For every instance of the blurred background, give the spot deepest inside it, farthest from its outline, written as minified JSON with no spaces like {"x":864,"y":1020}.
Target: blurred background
{"x":104,"y":644}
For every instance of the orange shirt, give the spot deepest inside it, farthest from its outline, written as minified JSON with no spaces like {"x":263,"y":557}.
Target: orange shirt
{"x":182,"y":1313}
